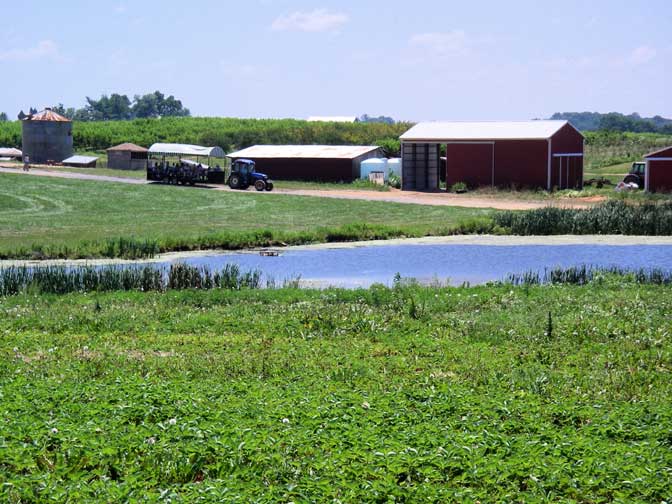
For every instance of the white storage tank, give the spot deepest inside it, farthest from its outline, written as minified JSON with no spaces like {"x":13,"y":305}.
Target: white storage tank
{"x":393,"y":166}
{"x":373,"y":165}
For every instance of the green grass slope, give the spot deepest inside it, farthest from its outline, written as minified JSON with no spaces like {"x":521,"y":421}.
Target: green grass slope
{"x":57,"y":217}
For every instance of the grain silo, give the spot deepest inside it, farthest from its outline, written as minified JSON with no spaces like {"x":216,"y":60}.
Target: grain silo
{"x":47,"y":137}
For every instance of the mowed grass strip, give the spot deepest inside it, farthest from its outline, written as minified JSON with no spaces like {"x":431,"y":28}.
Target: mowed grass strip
{"x":45,"y":212}
{"x":405,"y":394}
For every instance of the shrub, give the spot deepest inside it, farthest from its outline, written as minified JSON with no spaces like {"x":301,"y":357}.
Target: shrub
{"x":459,"y":187}
{"x":394,"y":180}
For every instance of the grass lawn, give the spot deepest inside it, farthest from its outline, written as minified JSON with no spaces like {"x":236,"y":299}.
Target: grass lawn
{"x":405,"y":394}
{"x":72,"y":217}
{"x":614,"y":173}
{"x":110,"y":172}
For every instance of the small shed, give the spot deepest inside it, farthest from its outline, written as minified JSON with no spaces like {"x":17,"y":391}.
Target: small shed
{"x":81,"y":161}
{"x":534,"y":154}
{"x":325,"y":163}
{"x":658,"y":174}
{"x":127,"y":156}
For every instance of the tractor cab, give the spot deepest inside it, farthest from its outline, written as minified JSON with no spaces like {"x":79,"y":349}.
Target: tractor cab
{"x":243,"y":167}
{"x":243,"y":175}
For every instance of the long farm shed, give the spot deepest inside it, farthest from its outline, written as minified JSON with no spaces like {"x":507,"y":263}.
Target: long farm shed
{"x":533,"y":154}
{"x":326,"y":163}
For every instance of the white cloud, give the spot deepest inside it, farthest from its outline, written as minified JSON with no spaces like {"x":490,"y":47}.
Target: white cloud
{"x":45,"y":49}
{"x":642,"y":55}
{"x":441,"y":44}
{"x":120,"y":9}
{"x":319,"y":20}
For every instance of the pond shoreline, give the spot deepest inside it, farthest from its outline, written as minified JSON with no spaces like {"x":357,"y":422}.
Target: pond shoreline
{"x":481,"y":240}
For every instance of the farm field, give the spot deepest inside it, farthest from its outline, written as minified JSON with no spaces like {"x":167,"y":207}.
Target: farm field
{"x":401,"y":394}
{"x":46,"y":217}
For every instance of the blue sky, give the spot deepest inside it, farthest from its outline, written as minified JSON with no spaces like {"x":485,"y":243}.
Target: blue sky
{"x":413,"y":60}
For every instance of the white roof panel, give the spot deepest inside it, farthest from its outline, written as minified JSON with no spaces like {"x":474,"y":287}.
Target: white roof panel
{"x":80,"y":159}
{"x":10,"y":152}
{"x":345,"y":119}
{"x":304,"y":151}
{"x":186,"y":150}
{"x":510,"y":130}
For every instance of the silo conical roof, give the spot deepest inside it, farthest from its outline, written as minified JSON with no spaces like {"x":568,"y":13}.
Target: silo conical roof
{"x":47,"y":115}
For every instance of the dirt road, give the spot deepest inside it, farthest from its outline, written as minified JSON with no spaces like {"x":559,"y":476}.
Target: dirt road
{"x":393,"y":196}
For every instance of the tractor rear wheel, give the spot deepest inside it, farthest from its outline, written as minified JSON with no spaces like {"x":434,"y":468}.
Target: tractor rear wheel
{"x":631,"y":178}
{"x":259,"y":185}
{"x":234,"y":181}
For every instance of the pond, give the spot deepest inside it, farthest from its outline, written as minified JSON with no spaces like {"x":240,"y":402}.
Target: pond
{"x":361,"y":266}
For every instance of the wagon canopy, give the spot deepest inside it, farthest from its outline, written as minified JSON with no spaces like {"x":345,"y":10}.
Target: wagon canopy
{"x":171,"y":149}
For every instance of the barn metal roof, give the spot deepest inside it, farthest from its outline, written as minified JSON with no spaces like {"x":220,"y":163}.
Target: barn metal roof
{"x":127,"y":147}
{"x":80,"y":159}
{"x":186,"y":150}
{"x":47,"y":115}
{"x":304,"y":151}
{"x":343,"y":119}
{"x":666,"y":152}
{"x":509,"y":130}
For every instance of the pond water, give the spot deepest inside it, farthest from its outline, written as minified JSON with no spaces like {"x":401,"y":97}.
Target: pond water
{"x":454,"y":264}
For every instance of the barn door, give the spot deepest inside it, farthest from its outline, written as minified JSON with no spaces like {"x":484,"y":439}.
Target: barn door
{"x":566,"y":171}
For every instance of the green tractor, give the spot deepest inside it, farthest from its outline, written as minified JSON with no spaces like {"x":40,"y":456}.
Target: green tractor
{"x":243,"y":175}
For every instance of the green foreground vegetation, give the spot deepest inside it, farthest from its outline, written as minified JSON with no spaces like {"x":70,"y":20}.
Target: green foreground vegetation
{"x":404,"y":394}
{"x":42,"y":217}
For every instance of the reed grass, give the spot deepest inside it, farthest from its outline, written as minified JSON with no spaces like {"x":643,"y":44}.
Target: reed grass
{"x":612,"y":217}
{"x":584,"y":274}
{"x":63,"y":279}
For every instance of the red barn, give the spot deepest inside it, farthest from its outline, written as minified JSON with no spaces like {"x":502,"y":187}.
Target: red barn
{"x":658,"y":175}
{"x":533,"y":154}
{"x":327,"y":163}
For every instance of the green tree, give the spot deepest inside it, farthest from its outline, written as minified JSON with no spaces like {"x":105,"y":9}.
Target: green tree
{"x":157,"y":105}
{"x":3,"y":117}
{"x":116,"y":107}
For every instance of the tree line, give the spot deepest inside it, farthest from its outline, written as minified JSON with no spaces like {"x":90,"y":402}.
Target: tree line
{"x":614,"y":121}
{"x":119,"y":107}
